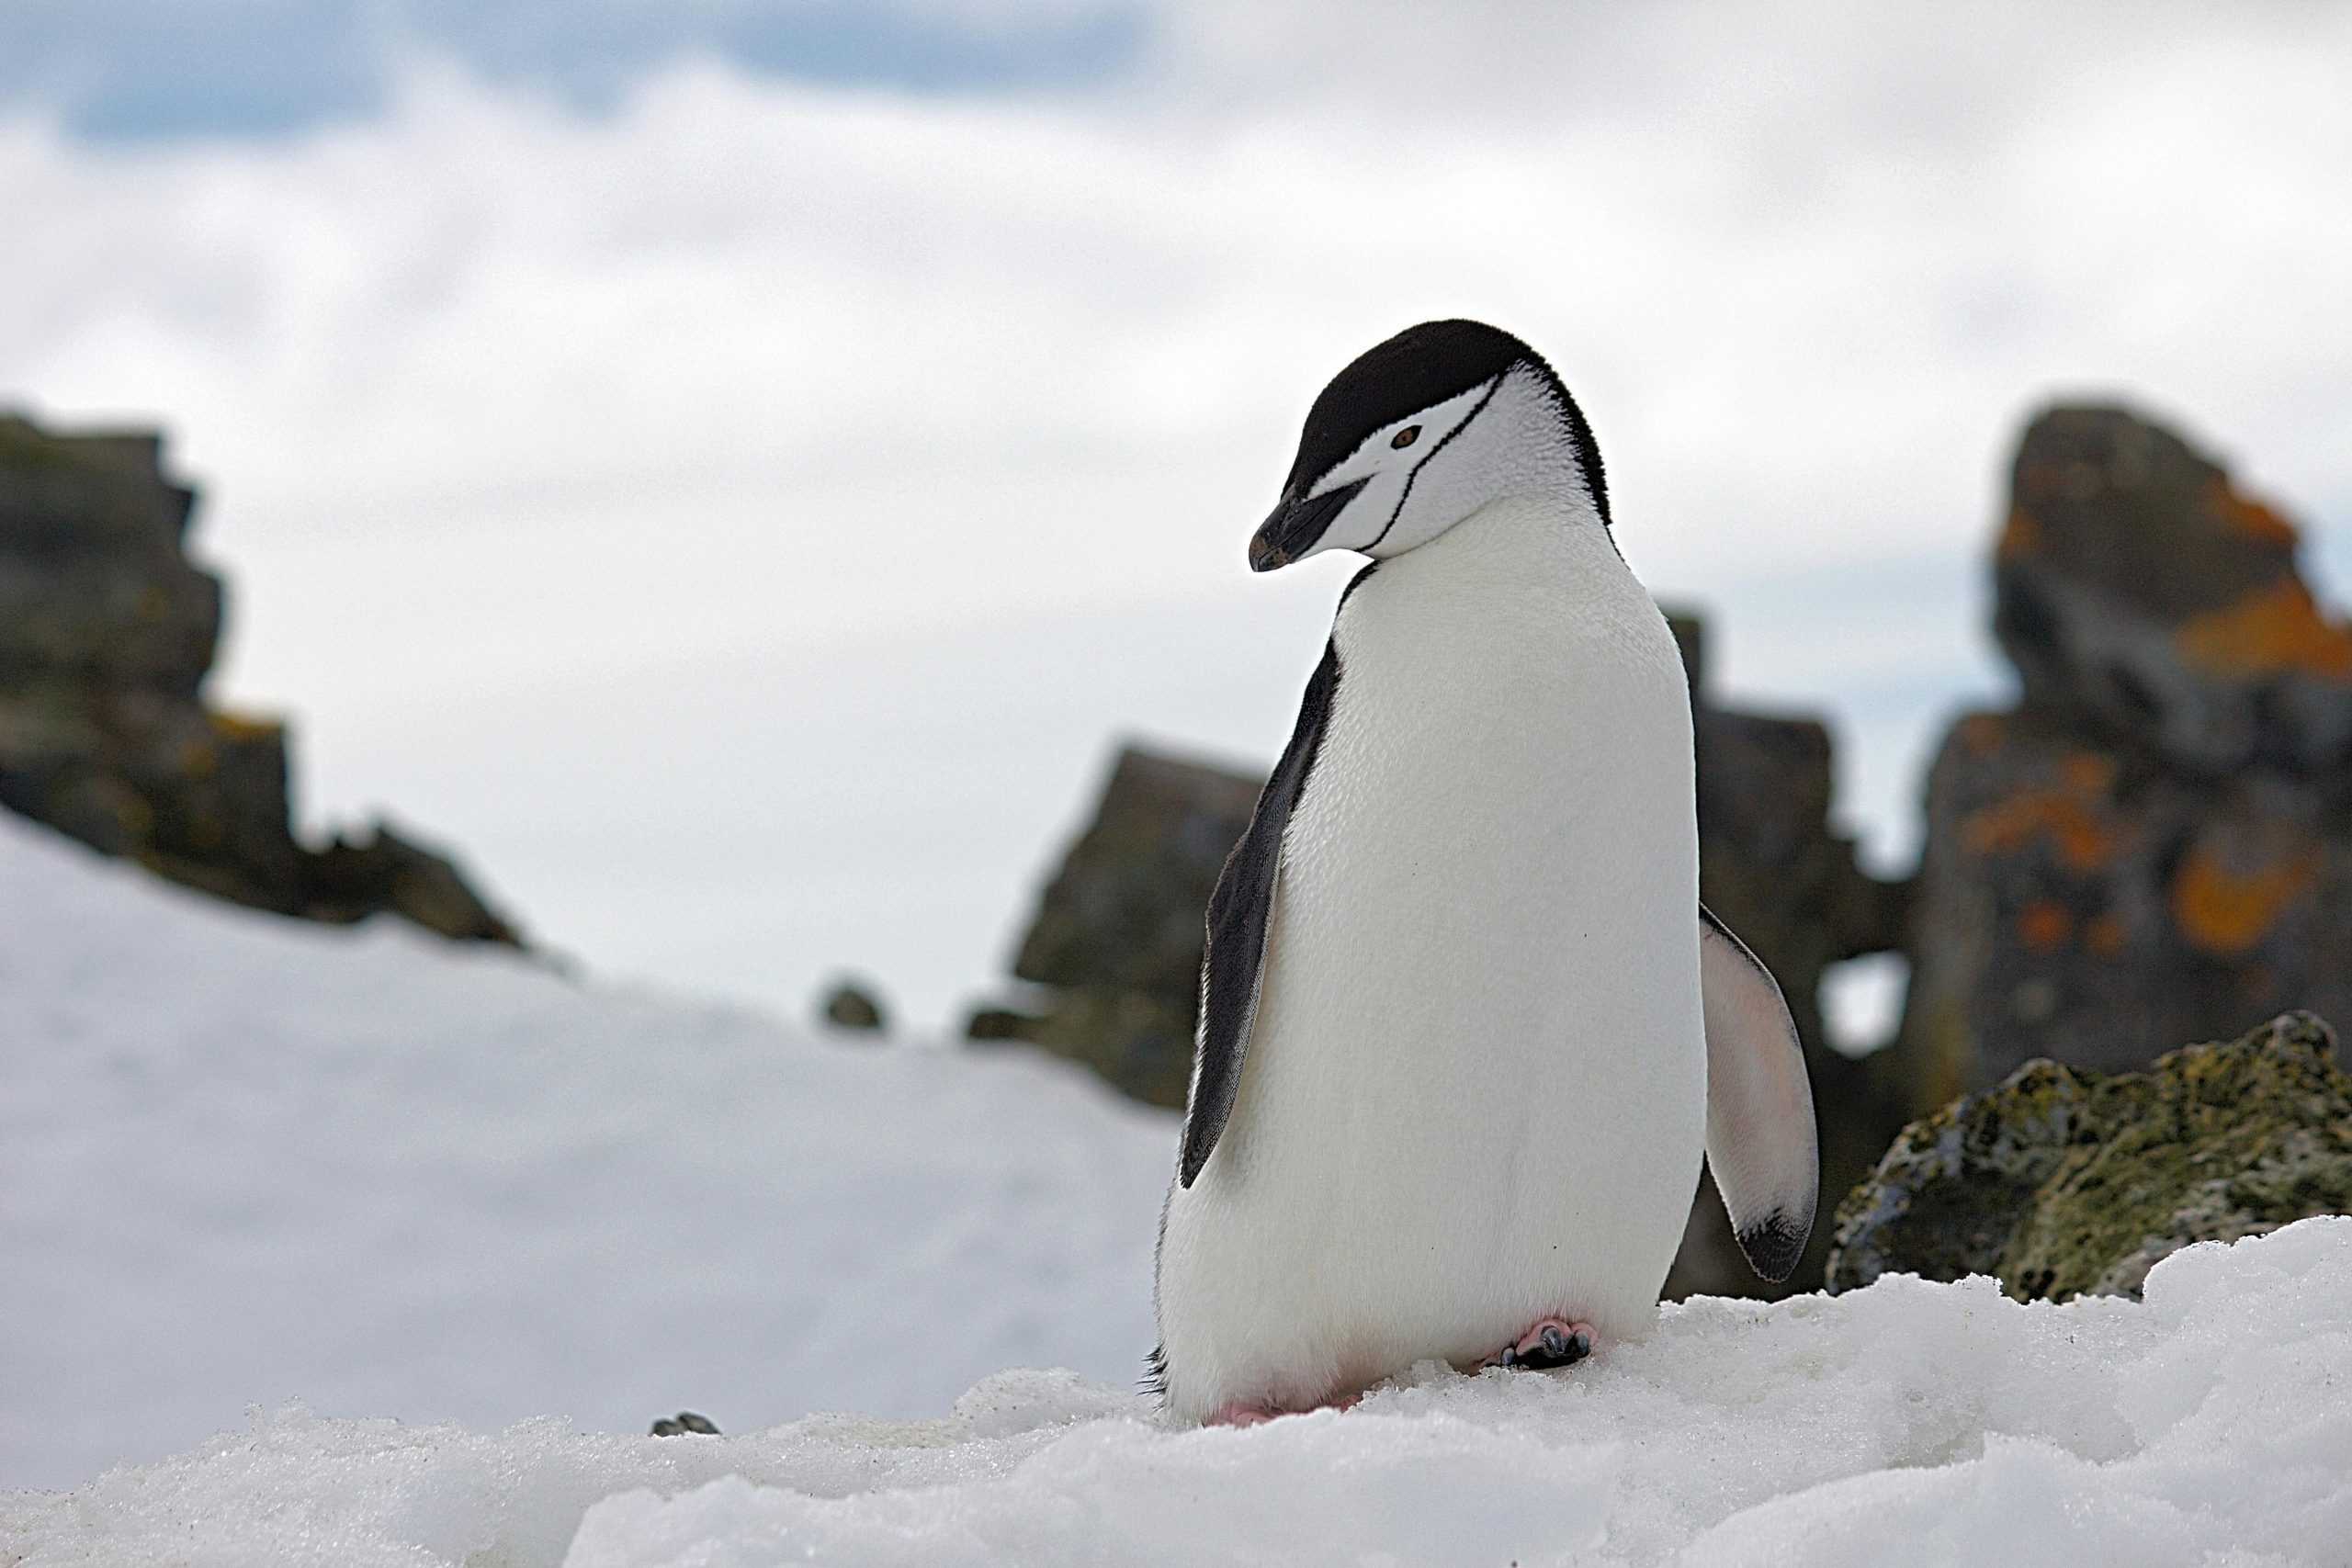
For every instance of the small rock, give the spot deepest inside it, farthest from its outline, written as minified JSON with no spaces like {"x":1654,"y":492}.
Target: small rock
{"x":686,"y":1423}
{"x":850,"y":1005}
{"x":2063,"y":1183}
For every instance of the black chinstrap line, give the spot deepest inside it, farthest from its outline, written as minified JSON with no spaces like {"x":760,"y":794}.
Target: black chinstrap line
{"x":1430,"y":457}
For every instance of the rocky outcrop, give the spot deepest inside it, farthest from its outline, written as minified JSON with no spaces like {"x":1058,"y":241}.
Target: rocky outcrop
{"x":107,"y":633}
{"x":2154,"y":845}
{"x":2062,"y":1182}
{"x":1120,"y":928}
{"x":2142,"y":597}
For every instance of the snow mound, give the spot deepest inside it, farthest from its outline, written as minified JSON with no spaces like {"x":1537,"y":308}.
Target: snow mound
{"x":1914,"y":1423}
{"x":245,"y":1160}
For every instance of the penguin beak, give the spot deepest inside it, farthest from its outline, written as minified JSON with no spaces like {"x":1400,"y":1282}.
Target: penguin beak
{"x":1297,"y":524}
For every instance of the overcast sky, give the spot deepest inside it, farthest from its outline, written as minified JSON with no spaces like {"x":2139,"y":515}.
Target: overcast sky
{"x":735,"y":468}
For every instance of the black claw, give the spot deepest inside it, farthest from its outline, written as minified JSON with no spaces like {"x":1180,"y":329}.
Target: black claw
{"x":1552,"y":1349}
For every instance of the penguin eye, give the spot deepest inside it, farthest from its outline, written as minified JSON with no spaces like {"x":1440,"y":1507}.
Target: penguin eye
{"x":1406,"y":437}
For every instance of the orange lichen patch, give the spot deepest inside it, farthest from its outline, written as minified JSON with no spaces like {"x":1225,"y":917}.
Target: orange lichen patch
{"x":1979,"y":731}
{"x":2266,"y":632}
{"x":2106,"y":935}
{"x":2087,"y":772}
{"x":2020,"y":536}
{"x":2082,"y":841}
{"x":244,"y":727}
{"x":2043,"y":925}
{"x":2226,"y":909}
{"x":2249,"y":516}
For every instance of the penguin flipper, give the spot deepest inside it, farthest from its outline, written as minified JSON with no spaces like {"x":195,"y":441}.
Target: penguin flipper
{"x":1760,"y":1104}
{"x":1240,"y":914}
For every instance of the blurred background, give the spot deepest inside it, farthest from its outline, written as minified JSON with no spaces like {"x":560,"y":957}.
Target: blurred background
{"x":733,"y":468}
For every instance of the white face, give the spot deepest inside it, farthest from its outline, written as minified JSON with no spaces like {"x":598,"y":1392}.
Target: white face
{"x":1412,"y":480}
{"x":1392,"y":463}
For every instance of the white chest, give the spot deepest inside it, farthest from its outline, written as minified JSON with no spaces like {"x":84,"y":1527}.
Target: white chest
{"x":1508,"y":758}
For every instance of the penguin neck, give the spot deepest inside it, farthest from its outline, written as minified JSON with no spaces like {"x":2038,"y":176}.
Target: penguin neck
{"x":1549,"y":543}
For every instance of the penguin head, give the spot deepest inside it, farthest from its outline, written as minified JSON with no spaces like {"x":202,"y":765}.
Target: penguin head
{"x":1420,"y":432}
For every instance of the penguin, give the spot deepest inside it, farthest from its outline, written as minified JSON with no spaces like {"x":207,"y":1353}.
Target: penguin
{"x":1465,"y":1029}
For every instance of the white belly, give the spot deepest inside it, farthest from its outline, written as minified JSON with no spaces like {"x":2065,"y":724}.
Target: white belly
{"x":1474,"y":1096}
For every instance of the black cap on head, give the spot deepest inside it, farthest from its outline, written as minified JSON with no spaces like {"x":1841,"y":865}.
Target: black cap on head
{"x":1421,"y":366}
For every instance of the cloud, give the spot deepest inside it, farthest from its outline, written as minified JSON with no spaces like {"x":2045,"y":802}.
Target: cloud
{"x":502,"y":405}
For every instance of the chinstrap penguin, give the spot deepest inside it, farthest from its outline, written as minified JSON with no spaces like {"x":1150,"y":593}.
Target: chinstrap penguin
{"x":1464,"y":1027}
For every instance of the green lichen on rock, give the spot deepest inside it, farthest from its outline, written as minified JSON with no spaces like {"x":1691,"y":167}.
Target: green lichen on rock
{"x":2063,"y":1183}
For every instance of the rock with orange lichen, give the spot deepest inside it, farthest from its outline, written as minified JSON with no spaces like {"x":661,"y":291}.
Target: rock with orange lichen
{"x":2093,"y":907}
{"x":107,"y":633}
{"x":2154,"y":845}
{"x":2143,"y":595}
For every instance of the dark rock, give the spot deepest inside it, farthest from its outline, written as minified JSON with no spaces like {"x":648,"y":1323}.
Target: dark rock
{"x":1137,"y":1041}
{"x":852,"y":1006}
{"x":2154,"y":844}
{"x":686,"y":1423}
{"x":990,"y":1025}
{"x":351,"y":879}
{"x":2063,"y":1181}
{"x":1119,"y":930}
{"x":107,"y":633}
{"x":2142,"y":597}
{"x":1125,"y":910}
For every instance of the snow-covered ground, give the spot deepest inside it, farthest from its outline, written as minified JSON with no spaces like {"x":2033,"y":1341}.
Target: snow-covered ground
{"x":1907,"y":1424}
{"x":245,"y":1159}
{"x":242,"y":1160}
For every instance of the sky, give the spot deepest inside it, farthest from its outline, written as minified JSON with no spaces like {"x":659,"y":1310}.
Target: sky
{"x":736,"y":471}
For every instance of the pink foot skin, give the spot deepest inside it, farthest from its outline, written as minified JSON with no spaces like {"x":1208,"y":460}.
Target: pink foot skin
{"x":1239,"y":1415}
{"x":1555,"y":1342}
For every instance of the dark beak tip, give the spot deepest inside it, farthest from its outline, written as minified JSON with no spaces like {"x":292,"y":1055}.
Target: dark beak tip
{"x":1298,"y":526}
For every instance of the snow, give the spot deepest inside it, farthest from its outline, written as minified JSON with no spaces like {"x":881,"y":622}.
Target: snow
{"x":244,"y":1159}
{"x":1909,"y":1422}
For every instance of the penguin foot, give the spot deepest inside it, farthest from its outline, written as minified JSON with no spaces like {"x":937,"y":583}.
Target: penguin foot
{"x":1239,"y":1415}
{"x":1555,"y":1342}
{"x":1236,"y":1414}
